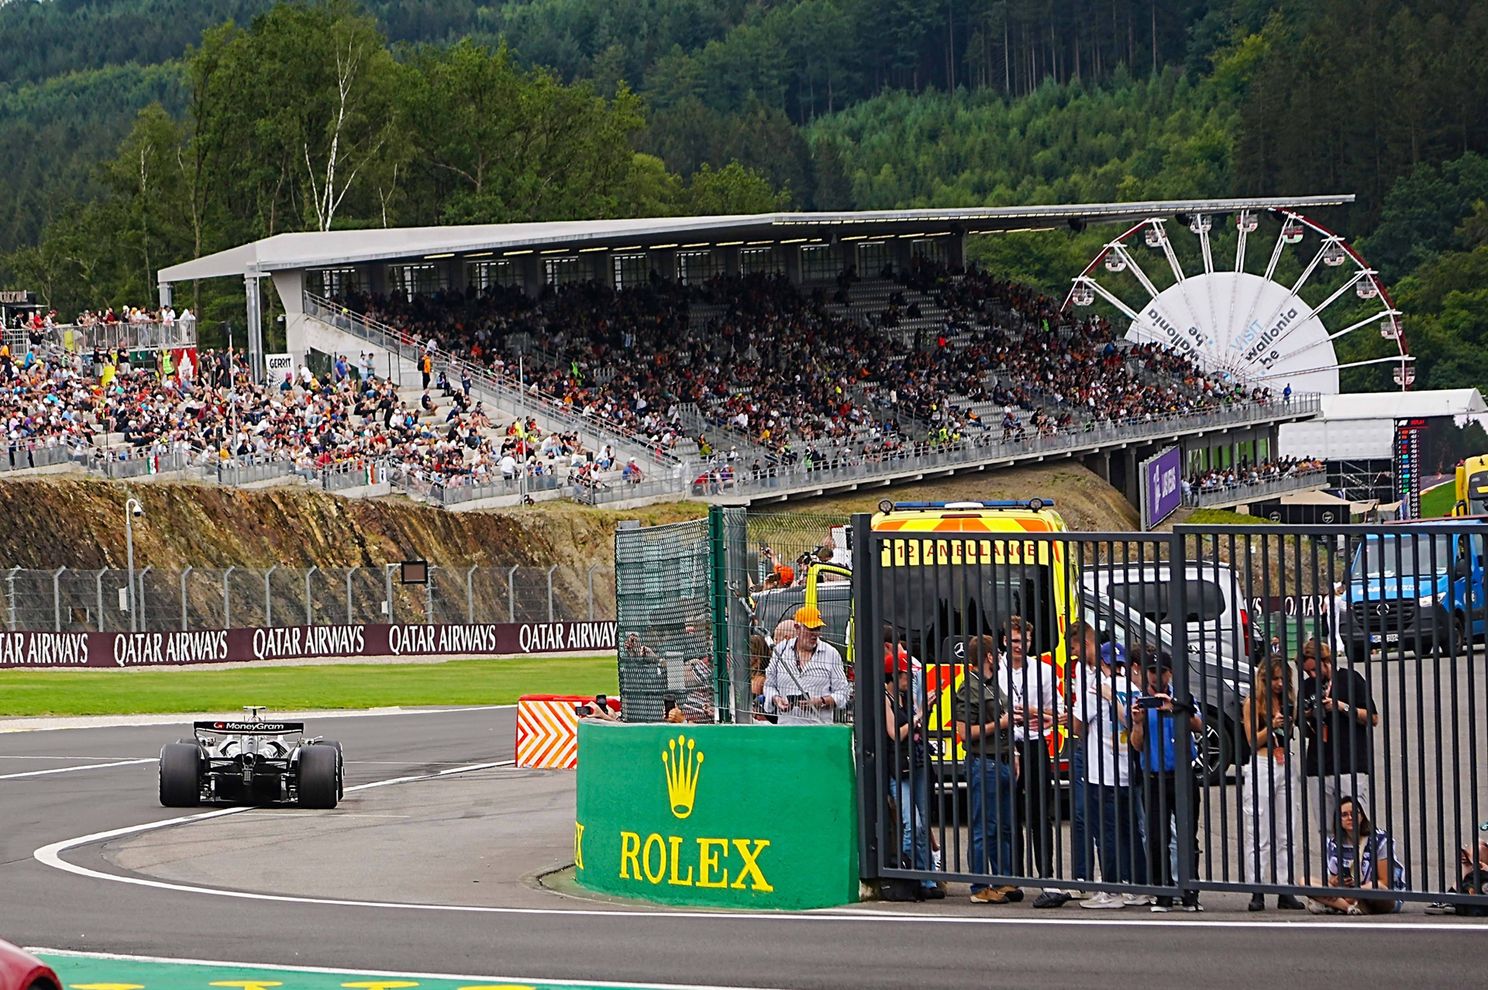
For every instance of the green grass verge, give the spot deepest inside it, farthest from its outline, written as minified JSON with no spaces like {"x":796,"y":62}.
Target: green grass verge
{"x":1437,"y":502}
{"x":1224,"y":517}
{"x":321,"y":686}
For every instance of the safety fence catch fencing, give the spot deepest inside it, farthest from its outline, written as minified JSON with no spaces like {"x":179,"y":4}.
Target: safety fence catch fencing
{"x":67,"y":599}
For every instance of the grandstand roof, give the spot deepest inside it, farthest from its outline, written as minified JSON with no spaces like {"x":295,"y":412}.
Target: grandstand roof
{"x":326,"y":249}
{"x":1404,"y":405}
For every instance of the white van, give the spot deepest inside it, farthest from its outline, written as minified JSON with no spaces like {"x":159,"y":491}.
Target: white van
{"x":1218,"y":622}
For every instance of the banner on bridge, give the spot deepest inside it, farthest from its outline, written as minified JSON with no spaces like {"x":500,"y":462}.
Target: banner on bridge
{"x":189,"y":647}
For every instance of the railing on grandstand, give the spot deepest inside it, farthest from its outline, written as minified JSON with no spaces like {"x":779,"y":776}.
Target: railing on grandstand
{"x":990,"y":446}
{"x":119,"y":465}
{"x":540,"y":403}
{"x":608,"y":493}
{"x":78,"y":338}
{"x":1206,"y":496}
{"x":20,"y":457}
{"x":66,"y":599}
{"x":360,"y":472}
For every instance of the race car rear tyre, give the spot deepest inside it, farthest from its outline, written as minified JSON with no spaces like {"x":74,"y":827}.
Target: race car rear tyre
{"x":318,"y":785}
{"x":180,"y":775}
{"x":340,"y":767}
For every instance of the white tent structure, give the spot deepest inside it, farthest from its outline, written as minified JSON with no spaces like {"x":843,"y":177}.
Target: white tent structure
{"x":1361,"y":425}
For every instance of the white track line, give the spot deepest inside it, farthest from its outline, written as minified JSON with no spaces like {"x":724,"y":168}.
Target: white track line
{"x":51,"y":724}
{"x":462,"y":978}
{"x":86,"y":766}
{"x":51,"y":855}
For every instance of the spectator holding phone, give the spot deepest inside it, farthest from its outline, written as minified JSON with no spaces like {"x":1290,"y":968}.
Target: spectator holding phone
{"x":1163,"y":735}
{"x":597,"y":710}
{"x":1270,"y":786}
{"x":805,"y":682}
{"x":1361,"y":865}
{"x":1340,"y":715}
{"x":908,"y":767}
{"x":1104,"y":718}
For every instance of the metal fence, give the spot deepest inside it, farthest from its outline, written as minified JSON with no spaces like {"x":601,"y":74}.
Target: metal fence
{"x":682,"y":628}
{"x":77,"y":600}
{"x":1289,"y":712}
{"x":1232,"y":494}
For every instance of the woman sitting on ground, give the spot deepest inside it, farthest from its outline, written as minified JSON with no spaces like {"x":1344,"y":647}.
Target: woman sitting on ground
{"x":1360,"y":858}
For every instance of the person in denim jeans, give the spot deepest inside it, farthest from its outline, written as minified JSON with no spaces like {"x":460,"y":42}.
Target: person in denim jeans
{"x":983,"y":720}
{"x":909,"y":769}
{"x":1084,"y":657}
{"x":1103,"y":719}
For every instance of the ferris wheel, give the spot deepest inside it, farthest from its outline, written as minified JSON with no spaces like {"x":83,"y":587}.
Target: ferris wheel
{"x":1266,"y":320}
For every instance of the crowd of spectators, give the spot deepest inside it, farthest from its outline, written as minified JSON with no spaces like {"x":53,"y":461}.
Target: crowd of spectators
{"x":759,"y":374}
{"x":1246,"y":473}
{"x":789,"y":376}
{"x":101,"y":407}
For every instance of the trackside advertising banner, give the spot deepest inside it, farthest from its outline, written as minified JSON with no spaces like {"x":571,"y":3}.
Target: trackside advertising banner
{"x":95,"y":649}
{"x":1161,"y":489}
{"x":675,"y":813}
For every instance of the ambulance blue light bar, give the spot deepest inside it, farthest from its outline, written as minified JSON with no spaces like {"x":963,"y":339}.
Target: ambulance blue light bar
{"x":1004,"y":503}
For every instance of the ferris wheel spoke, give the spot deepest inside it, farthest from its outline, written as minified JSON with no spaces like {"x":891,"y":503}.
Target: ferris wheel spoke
{"x":1207,"y":250}
{"x":1119,"y":249}
{"x":1392,"y":359}
{"x":1240,"y":245}
{"x":1361,"y":324}
{"x":1279,"y":247}
{"x":1294,"y":296}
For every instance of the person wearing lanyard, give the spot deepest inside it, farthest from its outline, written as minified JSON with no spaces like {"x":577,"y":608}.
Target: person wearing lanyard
{"x":805,"y":681}
{"x":1031,"y":689}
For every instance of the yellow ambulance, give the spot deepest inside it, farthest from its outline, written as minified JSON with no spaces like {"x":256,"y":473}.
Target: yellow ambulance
{"x":942,"y":591}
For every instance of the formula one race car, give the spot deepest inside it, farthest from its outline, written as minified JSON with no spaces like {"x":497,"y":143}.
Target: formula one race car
{"x":251,"y":762}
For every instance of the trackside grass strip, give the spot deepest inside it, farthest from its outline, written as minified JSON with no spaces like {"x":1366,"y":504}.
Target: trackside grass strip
{"x":141,"y":691}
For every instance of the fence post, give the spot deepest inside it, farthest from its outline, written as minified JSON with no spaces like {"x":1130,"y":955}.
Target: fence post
{"x":349,"y":572}
{"x":268,"y":597}
{"x":98,"y":587}
{"x":1184,"y":811}
{"x":429,"y":595}
{"x":10,"y":580}
{"x":309,"y":607}
{"x":590,"y":578}
{"x":387,"y":574}
{"x":550,"y":591}
{"x":184,"y":575}
{"x":470,"y":595}
{"x":511,"y":596}
{"x":57,"y":599}
{"x":226,"y":599}
{"x":139,"y":601}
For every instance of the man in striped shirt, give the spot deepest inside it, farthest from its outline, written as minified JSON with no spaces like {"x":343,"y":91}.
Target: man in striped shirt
{"x":805,"y":682}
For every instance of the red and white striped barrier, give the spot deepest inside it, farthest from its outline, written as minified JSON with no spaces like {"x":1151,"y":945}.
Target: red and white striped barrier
{"x":548,"y":730}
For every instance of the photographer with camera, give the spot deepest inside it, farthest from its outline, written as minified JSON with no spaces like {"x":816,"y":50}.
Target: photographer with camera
{"x":1162,"y":734}
{"x":597,"y":710}
{"x":1271,"y":784}
{"x":805,"y":682}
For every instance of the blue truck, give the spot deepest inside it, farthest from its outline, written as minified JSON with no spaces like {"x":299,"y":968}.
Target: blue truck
{"x":1418,"y":588}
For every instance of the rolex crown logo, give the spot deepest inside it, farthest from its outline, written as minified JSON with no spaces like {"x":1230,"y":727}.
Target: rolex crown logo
{"x":683,"y":764}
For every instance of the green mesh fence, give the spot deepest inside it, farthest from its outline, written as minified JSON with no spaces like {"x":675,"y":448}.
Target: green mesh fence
{"x":699,"y":605}
{"x":664,"y":614}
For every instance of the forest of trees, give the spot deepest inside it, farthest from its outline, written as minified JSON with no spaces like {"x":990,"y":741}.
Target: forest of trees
{"x":142,"y":132}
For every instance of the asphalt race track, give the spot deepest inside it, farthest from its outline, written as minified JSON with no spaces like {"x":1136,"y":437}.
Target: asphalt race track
{"x":63,"y":784}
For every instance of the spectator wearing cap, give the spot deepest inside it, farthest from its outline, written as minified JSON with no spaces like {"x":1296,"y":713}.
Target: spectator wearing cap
{"x":805,"y":682}
{"x":1103,"y":717}
{"x":1162,"y":735}
{"x":908,"y":766}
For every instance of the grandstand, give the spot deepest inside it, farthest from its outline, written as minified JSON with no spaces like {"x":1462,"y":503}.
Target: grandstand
{"x":736,"y":357}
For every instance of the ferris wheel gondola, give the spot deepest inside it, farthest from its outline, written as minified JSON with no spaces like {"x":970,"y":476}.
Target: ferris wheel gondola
{"x":1253,"y":322}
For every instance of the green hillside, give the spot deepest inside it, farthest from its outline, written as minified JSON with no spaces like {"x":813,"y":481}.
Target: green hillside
{"x":482,"y":110}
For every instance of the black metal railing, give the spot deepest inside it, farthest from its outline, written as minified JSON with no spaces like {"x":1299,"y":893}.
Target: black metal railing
{"x":1219,"y":709}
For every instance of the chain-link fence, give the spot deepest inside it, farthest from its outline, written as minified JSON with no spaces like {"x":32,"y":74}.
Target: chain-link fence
{"x":700,"y":606}
{"x":67,"y":599}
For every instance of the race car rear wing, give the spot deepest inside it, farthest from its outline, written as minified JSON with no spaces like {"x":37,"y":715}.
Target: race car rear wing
{"x":251,"y":728}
